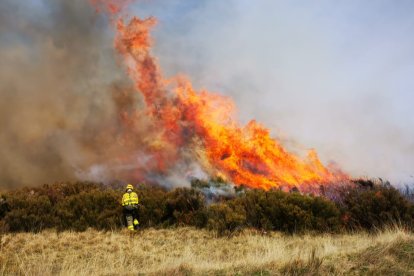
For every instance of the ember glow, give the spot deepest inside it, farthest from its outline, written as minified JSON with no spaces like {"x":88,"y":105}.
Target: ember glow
{"x":200,"y":126}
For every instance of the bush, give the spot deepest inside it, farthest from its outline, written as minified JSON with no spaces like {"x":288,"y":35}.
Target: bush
{"x":226,"y":217}
{"x":375,"y":206}
{"x":78,"y":206}
{"x":98,"y":209}
{"x":289,"y":212}
{"x":185,"y":207}
{"x":4,"y":206}
{"x":152,"y":205}
{"x":63,"y":206}
{"x":29,"y":212}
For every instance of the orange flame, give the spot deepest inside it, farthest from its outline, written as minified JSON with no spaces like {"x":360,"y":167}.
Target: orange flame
{"x":203,"y":123}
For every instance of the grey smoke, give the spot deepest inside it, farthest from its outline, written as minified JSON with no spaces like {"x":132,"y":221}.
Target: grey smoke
{"x":58,"y":75}
{"x":334,"y":76}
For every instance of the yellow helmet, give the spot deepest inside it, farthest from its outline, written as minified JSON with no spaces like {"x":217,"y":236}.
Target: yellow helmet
{"x":129,"y":186}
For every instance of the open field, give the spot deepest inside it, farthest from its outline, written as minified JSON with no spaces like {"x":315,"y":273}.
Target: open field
{"x":187,"y":251}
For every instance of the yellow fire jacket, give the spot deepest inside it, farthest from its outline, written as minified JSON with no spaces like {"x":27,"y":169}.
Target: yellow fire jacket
{"x":130,"y":199}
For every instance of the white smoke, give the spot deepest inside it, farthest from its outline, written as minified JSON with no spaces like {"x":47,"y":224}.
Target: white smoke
{"x":336,"y":77}
{"x":332,"y":76}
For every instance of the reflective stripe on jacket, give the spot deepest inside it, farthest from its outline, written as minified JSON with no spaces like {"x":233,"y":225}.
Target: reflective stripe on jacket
{"x":130,"y":199}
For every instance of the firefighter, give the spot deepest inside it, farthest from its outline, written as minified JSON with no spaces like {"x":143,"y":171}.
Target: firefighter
{"x":130,"y":207}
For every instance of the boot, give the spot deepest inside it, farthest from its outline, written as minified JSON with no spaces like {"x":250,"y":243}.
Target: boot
{"x":130,"y":224}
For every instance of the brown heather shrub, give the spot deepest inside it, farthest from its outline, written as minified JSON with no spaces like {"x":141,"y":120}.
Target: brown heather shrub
{"x":289,"y":212}
{"x":97,"y":208}
{"x":29,"y":213}
{"x":225,"y":218}
{"x":185,"y":206}
{"x":81,"y":205}
{"x":78,"y":206}
{"x":375,"y":206}
{"x":152,"y":205}
{"x":75,"y":206}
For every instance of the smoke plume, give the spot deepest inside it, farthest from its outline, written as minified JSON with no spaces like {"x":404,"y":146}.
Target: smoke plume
{"x":60,"y":92}
{"x":333,"y":76}
{"x":68,"y":112}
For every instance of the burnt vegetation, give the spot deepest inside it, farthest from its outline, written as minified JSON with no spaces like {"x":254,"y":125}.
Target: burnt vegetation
{"x":364,"y":205}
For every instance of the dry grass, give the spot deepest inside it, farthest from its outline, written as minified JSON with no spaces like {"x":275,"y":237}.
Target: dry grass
{"x":187,"y":251}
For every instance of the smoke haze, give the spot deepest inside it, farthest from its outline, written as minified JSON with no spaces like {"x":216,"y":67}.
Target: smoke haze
{"x":337,"y":78}
{"x":57,"y":83}
{"x":334,"y":76}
